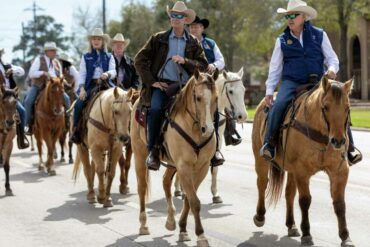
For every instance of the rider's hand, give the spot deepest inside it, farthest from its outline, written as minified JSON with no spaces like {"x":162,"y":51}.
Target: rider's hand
{"x":162,"y":86}
{"x":104,"y":76}
{"x":178,"y":59}
{"x":83,"y":94}
{"x":330,"y":74}
{"x":211,"y":68}
{"x":9,"y":72}
{"x":269,"y":100}
{"x":46,"y":74}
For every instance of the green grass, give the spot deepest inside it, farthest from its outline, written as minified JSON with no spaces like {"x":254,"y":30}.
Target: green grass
{"x":359,"y":117}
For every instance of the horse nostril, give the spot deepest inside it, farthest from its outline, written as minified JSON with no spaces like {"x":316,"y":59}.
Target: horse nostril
{"x":343,"y":141}
{"x":240,"y":117}
{"x":9,"y":122}
{"x":125,"y":138}
{"x":203,"y":129}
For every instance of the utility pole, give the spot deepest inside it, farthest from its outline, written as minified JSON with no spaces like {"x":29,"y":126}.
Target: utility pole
{"x":104,"y":26}
{"x":23,"y":47}
{"x":34,"y":8}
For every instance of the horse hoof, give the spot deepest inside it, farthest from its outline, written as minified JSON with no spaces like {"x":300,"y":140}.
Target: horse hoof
{"x":183,"y":237}
{"x":9,"y":192}
{"x":258,"y":223}
{"x":170,"y":225}
{"x":70,"y":161}
{"x":217,"y":199}
{"x":144,"y":230}
{"x":91,"y":200}
{"x":347,"y":243}
{"x":41,"y":168}
{"x":52,"y":173}
{"x":62,"y":160}
{"x":32,"y":149}
{"x":101,"y":200}
{"x":124,"y":190}
{"x":202,"y":243}
{"x":178,"y":193}
{"x":307,"y":241}
{"x":108,"y":204}
{"x":293,"y":232}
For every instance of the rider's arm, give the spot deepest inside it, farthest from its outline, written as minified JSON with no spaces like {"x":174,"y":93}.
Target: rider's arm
{"x":112,"y":68}
{"x":143,"y":62}
{"x":331,"y":59}
{"x":275,"y":69}
{"x":219,"y":58}
{"x":34,"y":70}
{"x":73,"y":71}
{"x":199,"y":61}
{"x":17,"y":71}
{"x":82,"y":74}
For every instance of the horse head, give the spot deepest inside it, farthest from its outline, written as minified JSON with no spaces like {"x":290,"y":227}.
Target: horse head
{"x":121,"y":108}
{"x":55,"y":92}
{"x":8,"y":102}
{"x":231,"y":98}
{"x":335,"y":106}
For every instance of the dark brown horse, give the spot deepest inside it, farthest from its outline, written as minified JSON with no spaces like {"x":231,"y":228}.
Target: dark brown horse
{"x":8,"y":102}
{"x":49,"y":120}
{"x":318,"y":124}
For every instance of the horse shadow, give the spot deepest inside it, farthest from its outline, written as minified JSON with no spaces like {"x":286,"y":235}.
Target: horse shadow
{"x":158,"y":241}
{"x":159,"y":208}
{"x":261,"y":239}
{"x":78,"y":208}
{"x":24,"y":155}
{"x":32,"y":176}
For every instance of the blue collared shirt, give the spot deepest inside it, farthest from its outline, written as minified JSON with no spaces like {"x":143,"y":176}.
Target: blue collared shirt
{"x":176,"y":46}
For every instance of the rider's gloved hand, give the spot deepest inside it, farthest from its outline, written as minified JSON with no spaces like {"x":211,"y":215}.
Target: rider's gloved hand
{"x":83,"y":94}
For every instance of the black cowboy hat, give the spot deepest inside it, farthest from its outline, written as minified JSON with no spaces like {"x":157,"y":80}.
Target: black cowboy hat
{"x":204,"y":22}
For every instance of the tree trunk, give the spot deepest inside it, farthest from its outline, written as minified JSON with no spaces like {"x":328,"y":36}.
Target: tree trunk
{"x":343,"y":52}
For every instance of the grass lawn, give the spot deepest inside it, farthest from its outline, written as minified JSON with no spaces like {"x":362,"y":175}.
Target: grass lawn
{"x":360,"y":117}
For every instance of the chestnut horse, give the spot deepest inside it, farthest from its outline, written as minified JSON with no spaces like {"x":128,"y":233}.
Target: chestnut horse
{"x":318,"y":123}
{"x":49,"y":120}
{"x":190,"y":143}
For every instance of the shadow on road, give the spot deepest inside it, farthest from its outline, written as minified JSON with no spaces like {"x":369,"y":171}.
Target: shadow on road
{"x":78,"y":208}
{"x":31,"y":176}
{"x":261,"y":239}
{"x":131,"y":240}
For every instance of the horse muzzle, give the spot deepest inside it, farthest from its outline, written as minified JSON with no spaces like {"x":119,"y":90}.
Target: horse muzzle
{"x":124,"y":139}
{"x":9,"y":123}
{"x":337,"y":143}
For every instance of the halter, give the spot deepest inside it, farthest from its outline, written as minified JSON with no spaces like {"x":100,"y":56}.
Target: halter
{"x":232,"y":110}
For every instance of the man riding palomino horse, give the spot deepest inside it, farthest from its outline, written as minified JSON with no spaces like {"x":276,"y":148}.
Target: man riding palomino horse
{"x":215,"y":60}
{"x":168,"y":59}
{"x":299,"y":57}
{"x":70,"y":74}
{"x":7,"y":73}
{"x":96,"y":66}
{"x":42,"y":68}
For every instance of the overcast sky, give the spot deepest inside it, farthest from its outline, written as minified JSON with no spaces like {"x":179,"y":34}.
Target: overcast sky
{"x":13,"y":14}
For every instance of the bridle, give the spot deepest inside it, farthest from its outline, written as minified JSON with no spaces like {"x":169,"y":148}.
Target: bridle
{"x":232,"y":110}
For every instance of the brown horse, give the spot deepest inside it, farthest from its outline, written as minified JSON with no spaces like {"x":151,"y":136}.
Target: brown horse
{"x":318,"y":122}
{"x":107,"y":131}
{"x":49,"y":120}
{"x":8,"y":102}
{"x":190,"y":156}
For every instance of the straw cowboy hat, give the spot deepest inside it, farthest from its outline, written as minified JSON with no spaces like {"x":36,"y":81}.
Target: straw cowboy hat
{"x":180,"y":7}
{"x":50,"y":46}
{"x":2,"y":51}
{"x":299,"y":6}
{"x":65,"y":57}
{"x":119,"y":38}
{"x":98,"y":32}
{"x":204,"y":22}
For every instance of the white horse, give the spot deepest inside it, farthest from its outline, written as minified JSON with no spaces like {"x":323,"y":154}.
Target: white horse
{"x":231,"y":97}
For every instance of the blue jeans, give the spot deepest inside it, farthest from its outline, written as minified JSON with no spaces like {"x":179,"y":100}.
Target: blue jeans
{"x":22,"y":114}
{"x":77,"y":111}
{"x":31,"y":98}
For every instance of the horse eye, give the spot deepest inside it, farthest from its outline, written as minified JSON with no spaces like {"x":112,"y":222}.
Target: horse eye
{"x":325,"y":108}
{"x":231,"y":92}
{"x":198,"y":98}
{"x":116,"y":112}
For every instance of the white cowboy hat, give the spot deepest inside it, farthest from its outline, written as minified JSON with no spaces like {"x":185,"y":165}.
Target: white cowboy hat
{"x":50,"y":46}
{"x":65,"y":57}
{"x":299,"y":6}
{"x":180,"y":7}
{"x":98,"y":32}
{"x":118,"y":38}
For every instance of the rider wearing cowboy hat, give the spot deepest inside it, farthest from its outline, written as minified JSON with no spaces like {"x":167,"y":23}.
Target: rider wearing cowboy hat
{"x":299,"y":56}
{"x":177,"y":47}
{"x":97,"y":64}
{"x":126,"y":73}
{"x":7,"y":73}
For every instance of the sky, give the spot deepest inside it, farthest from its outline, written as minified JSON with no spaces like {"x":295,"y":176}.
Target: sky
{"x":13,"y":14}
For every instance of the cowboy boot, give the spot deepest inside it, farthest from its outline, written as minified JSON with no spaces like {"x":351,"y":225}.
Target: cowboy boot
{"x":267,"y":151}
{"x":76,"y":136}
{"x":152,"y":161}
{"x":21,"y":138}
{"x":66,"y":119}
{"x":230,"y":130}
{"x":354,"y":155}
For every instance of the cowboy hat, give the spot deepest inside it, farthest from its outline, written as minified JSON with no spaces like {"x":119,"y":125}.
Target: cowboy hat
{"x":65,"y":57}
{"x":50,"y":46}
{"x":2,"y":51}
{"x":119,"y":38}
{"x":204,"y":22}
{"x":299,"y":6}
{"x":180,"y":7}
{"x":98,"y":32}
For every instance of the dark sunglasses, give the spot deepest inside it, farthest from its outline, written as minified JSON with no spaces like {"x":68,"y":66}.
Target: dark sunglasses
{"x":177,"y":16}
{"x":291,"y":16}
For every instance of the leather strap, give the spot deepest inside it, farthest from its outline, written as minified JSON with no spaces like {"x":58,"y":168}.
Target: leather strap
{"x":310,"y":133}
{"x":99,"y":125}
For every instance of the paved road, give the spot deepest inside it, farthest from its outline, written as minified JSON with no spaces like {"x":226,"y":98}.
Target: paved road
{"x":52,"y":211}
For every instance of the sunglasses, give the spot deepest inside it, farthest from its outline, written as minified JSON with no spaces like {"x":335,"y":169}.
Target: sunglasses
{"x":291,"y":16}
{"x":177,"y":16}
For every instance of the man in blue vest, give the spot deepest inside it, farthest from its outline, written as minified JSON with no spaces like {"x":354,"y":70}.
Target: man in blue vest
{"x":300,"y":52}
{"x":215,"y":60}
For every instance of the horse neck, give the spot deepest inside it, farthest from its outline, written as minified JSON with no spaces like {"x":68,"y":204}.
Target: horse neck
{"x":311,"y":110}
{"x":44,"y":103}
{"x":103,"y":111}
{"x":222,"y":99}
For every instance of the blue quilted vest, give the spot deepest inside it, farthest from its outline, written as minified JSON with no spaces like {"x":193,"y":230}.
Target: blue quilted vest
{"x":300,"y":62}
{"x":208,"y":45}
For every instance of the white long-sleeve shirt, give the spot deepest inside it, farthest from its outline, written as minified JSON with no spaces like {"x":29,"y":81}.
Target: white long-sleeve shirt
{"x":97,"y":72}
{"x":276,"y":64}
{"x":35,"y":71}
{"x":219,"y":62}
{"x":17,"y":71}
{"x":74,"y":73}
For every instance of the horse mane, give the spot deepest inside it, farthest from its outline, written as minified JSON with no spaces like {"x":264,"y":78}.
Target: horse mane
{"x":181,"y":100}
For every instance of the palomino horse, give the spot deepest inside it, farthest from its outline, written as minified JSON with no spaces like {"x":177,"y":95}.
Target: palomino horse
{"x":8,"y":102}
{"x":231,"y":97}
{"x":49,"y":120}
{"x":107,"y":131}
{"x":190,"y":143}
{"x":318,"y":122}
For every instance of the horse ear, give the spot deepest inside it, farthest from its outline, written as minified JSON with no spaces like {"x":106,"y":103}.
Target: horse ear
{"x":348,"y":85}
{"x":224,"y":73}
{"x":130,"y":93}
{"x":115,"y":92}
{"x":215,"y":74}
{"x":15,"y":90}
{"x":196,"y":73}
{"x":241,"y":72}
{"x":325,"y":84}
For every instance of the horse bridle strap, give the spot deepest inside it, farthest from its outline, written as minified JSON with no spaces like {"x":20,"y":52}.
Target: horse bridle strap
{"x":48,"y":116}
{"x":99,"y":125}
{"x":313,"y":134}
{"x":188,"y":138}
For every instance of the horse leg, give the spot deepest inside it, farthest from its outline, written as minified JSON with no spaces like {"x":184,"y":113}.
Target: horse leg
{"x":88,"y":171}
{"x":290,"y":192}
{"x":128,"y":165}
{"x":6,"y":155}
{"x":32,"y":144}
{"x":98,"y":158}
{"x":123,"y":185}
{"x":117,"y":152}
{"x":50,"y":143}
{"x":338,"y":182}
{"x":142,"y":175}
{"x":262,"y":180}
{"x":216,"y":198}
{"x":184,"y":236}
{"x":171,"y":210}
{"x":178,"y":190}
{"x":304,"y":203}
{"x":62,"y":141}
{"x":39,"y":149}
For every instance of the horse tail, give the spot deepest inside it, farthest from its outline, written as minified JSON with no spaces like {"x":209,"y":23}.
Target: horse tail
{"x":275,"y":185}
{"x":76,"y":166}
